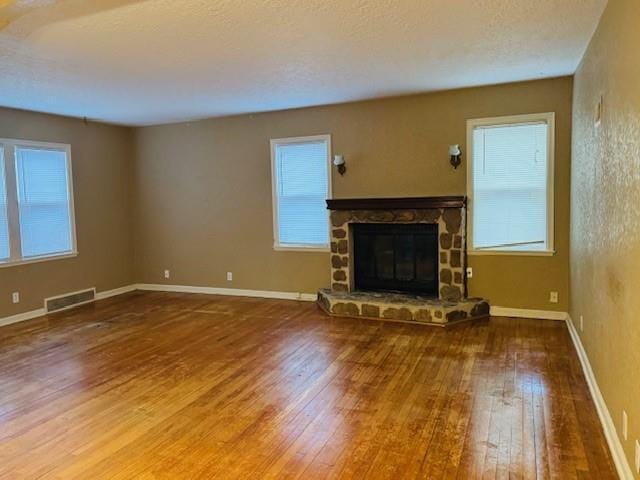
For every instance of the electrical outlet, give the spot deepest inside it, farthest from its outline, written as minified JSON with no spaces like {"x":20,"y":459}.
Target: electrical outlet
{"x":229,"y":276}
{"x":637,"y":457}
{"x":167,"y":274}
{"x":625,"y":423}
{"x":581,"y":323}
{"x":469,"y":272}
{"x":15,"y":297}
{"x":553,"y":297}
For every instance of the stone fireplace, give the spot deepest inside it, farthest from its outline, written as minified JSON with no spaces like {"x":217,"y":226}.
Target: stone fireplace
{"x":400,"y":259}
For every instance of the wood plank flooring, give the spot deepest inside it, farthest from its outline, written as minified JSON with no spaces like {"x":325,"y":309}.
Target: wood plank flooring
{"x":178,"y":386}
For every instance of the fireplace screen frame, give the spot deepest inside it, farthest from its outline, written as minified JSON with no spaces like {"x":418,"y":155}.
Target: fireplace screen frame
{"x":394,"y":235}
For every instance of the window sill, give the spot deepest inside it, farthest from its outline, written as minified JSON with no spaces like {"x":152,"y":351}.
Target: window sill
{"x":300,"y":248}
{"x":47,"y":258}
{"x":521,"y":253}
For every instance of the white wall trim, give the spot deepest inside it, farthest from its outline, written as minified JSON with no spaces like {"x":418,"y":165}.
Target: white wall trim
{"x":21,"y":317}
{"x":237,"y":292}
{"x":40,"y":312}
{"x":526,"y":313}
{"x":116,"y":291}
{"x":610,"y":433}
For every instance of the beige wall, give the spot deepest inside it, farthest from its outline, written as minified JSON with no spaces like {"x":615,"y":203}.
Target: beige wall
{"x":102,"y":166}
{"x":201,"y":193}
{"x":203,"y":189}
{"x":605,"y":221}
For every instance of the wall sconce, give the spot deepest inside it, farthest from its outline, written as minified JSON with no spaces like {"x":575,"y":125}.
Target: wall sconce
{"x":338,"y":161}
{"x":454,"y":151}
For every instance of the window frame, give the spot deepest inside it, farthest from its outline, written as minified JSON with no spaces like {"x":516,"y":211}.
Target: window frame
{"x":9,"y":164}
{"x":275,"y":142}
{"x":549,"y":119}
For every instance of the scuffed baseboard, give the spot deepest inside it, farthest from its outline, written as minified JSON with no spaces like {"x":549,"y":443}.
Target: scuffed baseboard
{"x":526,"y":313}
{"x":610,"y":433}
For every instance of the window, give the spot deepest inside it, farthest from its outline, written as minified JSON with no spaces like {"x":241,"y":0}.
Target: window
{"x":510,"y":184}
{"x":36,"y":202}
{"x":300,"y":175}
{"x":4,"y":220}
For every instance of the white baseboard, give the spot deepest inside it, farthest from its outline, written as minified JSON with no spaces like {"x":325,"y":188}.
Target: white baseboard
{"x":526,"y":313}
{"x":116,"y":291}
{"x":236,"y":292}
{"x":610,"y":433}
{"x":21,"y":317}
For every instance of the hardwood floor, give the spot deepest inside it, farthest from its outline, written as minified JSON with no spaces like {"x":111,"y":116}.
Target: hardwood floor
{"x":179,"y":386}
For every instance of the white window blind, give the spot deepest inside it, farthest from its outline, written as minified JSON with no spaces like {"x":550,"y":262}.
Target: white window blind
{"x":510,"y":187}
{"x":36,"y":202}
{"x":301,"y":187}
{"x":4,"y":221}
{"x":43,"y":201}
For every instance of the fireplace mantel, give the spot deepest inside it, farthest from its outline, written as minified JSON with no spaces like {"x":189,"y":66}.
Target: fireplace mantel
{"x":396,"y":203}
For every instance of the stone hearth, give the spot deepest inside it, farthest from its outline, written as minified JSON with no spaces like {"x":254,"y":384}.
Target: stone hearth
{"x":451,"y":305}
{"x":401,"y":307}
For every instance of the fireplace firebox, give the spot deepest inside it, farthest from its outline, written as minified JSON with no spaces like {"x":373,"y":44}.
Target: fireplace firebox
{"x":396,"y":258}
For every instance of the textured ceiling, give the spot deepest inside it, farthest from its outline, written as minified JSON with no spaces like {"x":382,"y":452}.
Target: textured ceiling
{"x":142,"y":62}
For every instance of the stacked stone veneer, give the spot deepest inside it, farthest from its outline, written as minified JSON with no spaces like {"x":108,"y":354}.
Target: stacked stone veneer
{"x":451,"y":244}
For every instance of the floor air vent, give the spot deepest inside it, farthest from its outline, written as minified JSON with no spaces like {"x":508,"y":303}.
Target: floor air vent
{"x":62,"y":302}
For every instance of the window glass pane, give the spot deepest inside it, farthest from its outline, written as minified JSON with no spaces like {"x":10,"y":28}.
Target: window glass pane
{"x":510,"y":187}
{"x":302,"y":180}
{"x":4,"y":223}
{"x":43,"y":201}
